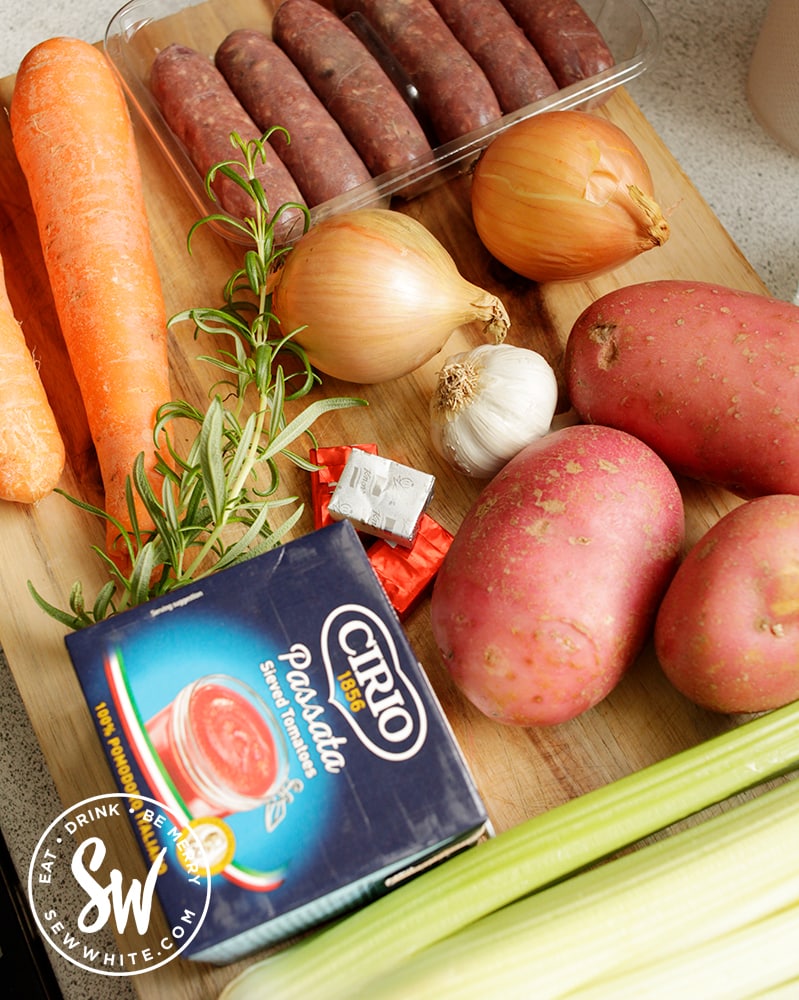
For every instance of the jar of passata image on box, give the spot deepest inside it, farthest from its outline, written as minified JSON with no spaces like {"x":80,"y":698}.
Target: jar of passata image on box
{"x":221,"y":746}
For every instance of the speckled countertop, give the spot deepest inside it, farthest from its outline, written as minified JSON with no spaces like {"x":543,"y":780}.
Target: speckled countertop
{"x":695,"y":97}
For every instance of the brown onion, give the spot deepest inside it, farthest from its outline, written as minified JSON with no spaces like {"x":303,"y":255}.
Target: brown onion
{"x":374,"y":295}
{"x":565,"y":195}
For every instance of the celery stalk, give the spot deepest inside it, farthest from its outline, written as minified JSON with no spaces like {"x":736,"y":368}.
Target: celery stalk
{"x":789,"y":990}
{"x":692,"y":890}
{"x":338,"y":960}
{"x":758,"y":960}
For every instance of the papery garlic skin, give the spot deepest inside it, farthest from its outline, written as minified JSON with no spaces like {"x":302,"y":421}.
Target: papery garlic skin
{"x":488,"y":404}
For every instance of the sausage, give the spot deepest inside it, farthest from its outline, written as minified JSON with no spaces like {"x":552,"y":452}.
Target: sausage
{"x":565,"y":37}
{"x":362,"y":29}
{"x":272,"y":90}
{"x":202,"y":111}
{"x":351,"y":84}
{"x":451,"y":85}
{"x":515,"y":70}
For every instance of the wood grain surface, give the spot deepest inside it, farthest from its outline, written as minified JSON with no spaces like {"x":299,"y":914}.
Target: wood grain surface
{"x":520,"y":772}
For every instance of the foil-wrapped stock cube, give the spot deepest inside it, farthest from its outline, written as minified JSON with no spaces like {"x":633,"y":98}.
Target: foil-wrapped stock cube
{"x":331,"y":461}
{"x":381,"y":497}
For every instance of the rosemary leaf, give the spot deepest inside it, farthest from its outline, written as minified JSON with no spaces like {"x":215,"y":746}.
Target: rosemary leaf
{"x":302,"y":422}
{"x":211,"y":461}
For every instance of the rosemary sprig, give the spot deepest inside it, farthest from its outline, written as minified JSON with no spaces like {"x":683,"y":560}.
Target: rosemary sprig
{"x":218,"y":499}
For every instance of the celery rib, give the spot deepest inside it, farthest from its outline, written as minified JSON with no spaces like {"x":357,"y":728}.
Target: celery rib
{"x":789,"y":990}
{"x":756,"y":962}
{"x":337,"y":961}
{"x":652,"y":906}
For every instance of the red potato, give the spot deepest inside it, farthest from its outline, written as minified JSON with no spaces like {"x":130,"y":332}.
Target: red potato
{"x":706,"y":375}
{"x":551,"y":584}
{"x":727,"y":632}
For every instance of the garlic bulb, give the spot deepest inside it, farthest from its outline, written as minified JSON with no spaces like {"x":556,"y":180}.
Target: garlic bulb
{"x":488,"y":404}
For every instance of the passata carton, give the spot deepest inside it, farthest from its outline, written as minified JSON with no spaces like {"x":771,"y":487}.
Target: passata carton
{"x":277,"y":707}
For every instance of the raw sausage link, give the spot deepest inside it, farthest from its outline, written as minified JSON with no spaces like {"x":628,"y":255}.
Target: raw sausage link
{"x":272,"y":90}
{"x":451,"y":85}
{"x":565,"y":37}
{"x":350,"y":83}
{"x":202,"y":111}
{"x":514,"y":68}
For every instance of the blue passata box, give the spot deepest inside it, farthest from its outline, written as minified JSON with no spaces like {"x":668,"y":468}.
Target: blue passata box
{"x":278,"y":707}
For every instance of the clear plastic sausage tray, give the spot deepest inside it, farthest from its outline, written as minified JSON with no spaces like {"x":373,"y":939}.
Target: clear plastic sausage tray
{"x":141,"y":28}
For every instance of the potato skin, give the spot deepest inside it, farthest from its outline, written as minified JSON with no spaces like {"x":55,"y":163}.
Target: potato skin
{"x":706,"y":375}
{"x":727,"y":631}
{"x":551,"y":584}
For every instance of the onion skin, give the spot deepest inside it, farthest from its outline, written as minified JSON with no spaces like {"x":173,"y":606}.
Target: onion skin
{"x":373,"y":295}
{"x":565,"y":196}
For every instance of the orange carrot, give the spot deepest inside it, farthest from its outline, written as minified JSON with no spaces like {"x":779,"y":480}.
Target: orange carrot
{"x":75,"y":144}
{"x":31,"y":447}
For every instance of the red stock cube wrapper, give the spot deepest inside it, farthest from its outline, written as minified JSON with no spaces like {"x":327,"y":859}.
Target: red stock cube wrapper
{"x":405,"y":573}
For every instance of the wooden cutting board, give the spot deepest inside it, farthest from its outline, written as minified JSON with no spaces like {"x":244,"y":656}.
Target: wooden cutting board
{"x":520,"y":772}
